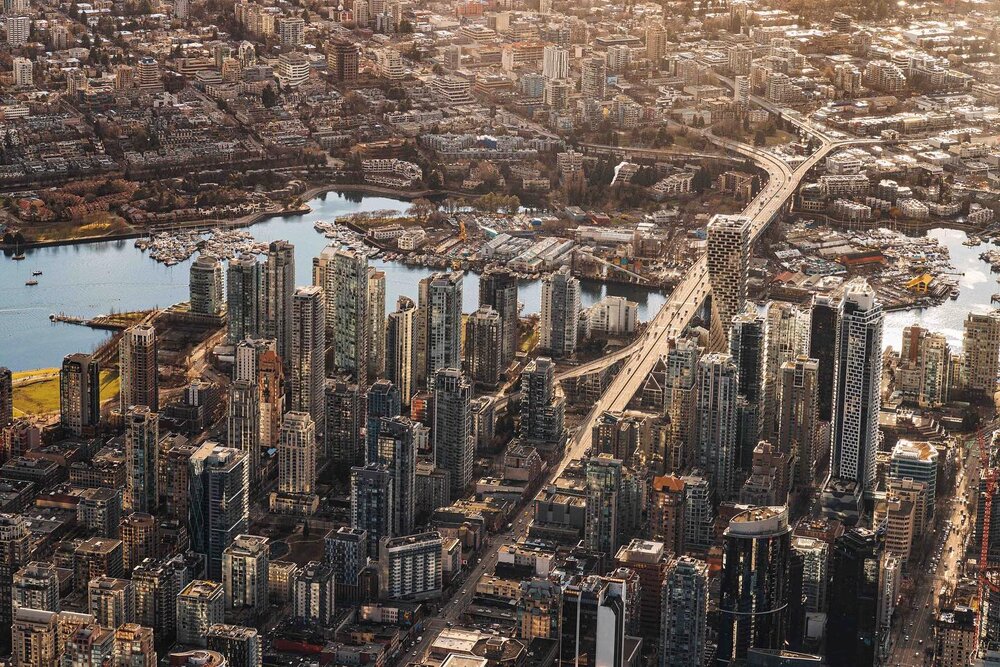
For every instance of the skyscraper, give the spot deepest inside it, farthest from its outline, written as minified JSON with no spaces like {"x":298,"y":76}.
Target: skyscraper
{"x":716,"y":413}
{"x":441,"y":310}
{"x":787,"y":338}
{"x":6,"y":396}
{"x":140,"y":539}
{"x":560,"y":315}
{"x":351,"y":328}
{"x":138,"y":369}
{"x":823,"y":348}
{"x":602,"y":531}
{"x":142,"y":436}
{"x":240,"y":645}
{"x":656,"y":44}
{"x":219,"y":509}
{"x":247,"y":355}
{"x":685,"y":612}
{"x":542,"y":412}
{"x":917,"y":461}
{"x":36,"y":586}
{"x":748,"y":349}
{"x":376,"y":324}
{"x":754,"y":594}
{"x":498,"y":290}
{"x":852,"y":613}
{"x":679,"y":397}
{"x":372,"y":503}
{"x":382,"y":403}
{"x":594,"y":617}
{"x":79,"y":394}
{"x":648,"y":560}
{"x":296,"y":465}
{"x":858,"y":374}
{"x":244,"y":573}
{"x":401,"y":366}
{"x":34,"y":638}
{"x":484,"y":347}
{"x":279,"y":290}
{"x":397,"y":450}
{"x":243,"y":424}
{"x":244,"y":297}
{"x":325,"y":276}
{"x":111,"y":601}
{"x":728,"y":269}
{"x":271,"y":385}
{"x":343,"y":443}
{"x":555,"y":62}
{"x":798,"y":426}
{"x":594,"y":79}
{"x":308,"y":343}
{"x":134,"y":646}
{"x":342,"y":59}
{"x":981,"y":352}
{"x":313,"y":594}
{"x":90,"y":645}
{"x":346,"y":552}
{"x":935,"y":371}
{"x":157,"y":585}
{"x":206,"y":286}
{"x":454,"y":446}
{"x":540,"y":609}
{"x":15,"y":547}
{"x":199,"y":606}
{"x":411,"y":567}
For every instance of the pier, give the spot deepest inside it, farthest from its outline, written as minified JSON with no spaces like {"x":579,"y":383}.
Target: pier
{"x":111,"y":322}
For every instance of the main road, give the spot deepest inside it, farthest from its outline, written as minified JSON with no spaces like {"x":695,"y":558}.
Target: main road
{"x":669,"y":322}
{"x":690,"y":293}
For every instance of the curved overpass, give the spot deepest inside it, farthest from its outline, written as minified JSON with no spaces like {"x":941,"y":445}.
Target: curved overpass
{"x":690,"y":293}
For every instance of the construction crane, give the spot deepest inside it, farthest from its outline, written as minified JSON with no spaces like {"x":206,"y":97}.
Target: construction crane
{"x":462,"y":234}
{"x":989,"y":473}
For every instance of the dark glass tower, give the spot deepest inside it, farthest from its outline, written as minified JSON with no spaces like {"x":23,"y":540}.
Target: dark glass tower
{"x":753,"y":609}
{"x":853,"y":595}
{"x":746,"y":345}
{"x":823,"y":348}
{"x":383,"y":401}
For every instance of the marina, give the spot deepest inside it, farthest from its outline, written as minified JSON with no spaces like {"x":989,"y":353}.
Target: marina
{"x":128,"y":283}
{"x":125,"y":280}
{"x":171,"y":248}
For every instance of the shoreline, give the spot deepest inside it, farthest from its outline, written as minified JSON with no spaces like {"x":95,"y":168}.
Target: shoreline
{"x":245,"y":221}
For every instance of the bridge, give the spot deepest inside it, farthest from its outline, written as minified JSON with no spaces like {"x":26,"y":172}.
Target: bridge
{"x":689,"y":295}
{"x":637,"y":153}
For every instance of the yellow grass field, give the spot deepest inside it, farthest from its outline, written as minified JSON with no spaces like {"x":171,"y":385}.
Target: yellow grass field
{"x":37,"y":392}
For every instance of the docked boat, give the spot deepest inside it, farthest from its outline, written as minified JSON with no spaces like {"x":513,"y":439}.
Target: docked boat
{"x":18,"y":257}
{"x":31,"y":283}
{"x":972,"y":241}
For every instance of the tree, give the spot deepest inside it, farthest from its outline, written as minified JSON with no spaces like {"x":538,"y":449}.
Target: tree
{"x":421,"y":208}
{"x":701,"y":181}
{"x":268,"y":96}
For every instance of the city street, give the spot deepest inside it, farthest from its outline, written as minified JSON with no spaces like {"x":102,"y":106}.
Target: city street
{"x":914,"y":633}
